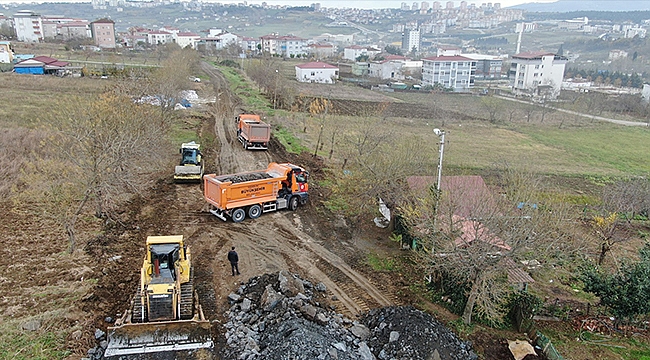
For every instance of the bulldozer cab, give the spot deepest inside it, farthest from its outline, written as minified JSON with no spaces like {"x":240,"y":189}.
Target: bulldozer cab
{"x":163,"y":259}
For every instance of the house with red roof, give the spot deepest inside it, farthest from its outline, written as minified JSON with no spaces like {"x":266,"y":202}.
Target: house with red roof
{"x":317,"y":72}
{"x":40,"y":65}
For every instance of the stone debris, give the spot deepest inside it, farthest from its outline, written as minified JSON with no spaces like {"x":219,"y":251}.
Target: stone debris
{"x":276,"y":316}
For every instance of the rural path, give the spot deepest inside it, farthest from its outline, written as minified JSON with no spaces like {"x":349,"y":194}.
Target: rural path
{"x":594,"y":117}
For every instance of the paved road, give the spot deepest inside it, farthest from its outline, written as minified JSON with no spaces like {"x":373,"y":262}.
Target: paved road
{"x":614,"y":121}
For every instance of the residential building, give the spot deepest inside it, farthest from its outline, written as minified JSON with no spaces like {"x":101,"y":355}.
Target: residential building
{"x":186,"y":39}
{"x":28,"y":26}
{"x":317,"y":72}
{"x":537,"y":73}
{"x":617,"y":54}
{"x":285,"y":46}
{"x":456,"y":72}
{"x":411,"y":40}
{"x":103,"y":31}
{"x":40,"y":65}
{"x":353,"y":52}
{"x":487,"y":66}
{"x":158,"y":37}
{"x":218,"y":40}
{"x":321,"y":51}
{"x":360,"y":68}
{"x":573,"y":24}
{"x":635,"y":31}
{"x":6,"y":52}
{"x":645,"y":93}
{"x":394,"y":67}
{"x":250,"y":44}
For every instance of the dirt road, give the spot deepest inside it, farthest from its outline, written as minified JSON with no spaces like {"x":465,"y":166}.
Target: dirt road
{"x":273,"y":242}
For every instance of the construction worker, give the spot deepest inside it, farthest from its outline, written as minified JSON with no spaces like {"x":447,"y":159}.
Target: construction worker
{"x":234,"y":260}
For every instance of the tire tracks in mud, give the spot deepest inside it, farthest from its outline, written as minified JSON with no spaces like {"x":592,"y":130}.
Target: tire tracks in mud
{"x":272,"y":242}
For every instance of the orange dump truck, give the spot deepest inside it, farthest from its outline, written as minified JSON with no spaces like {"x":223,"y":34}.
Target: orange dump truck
{"x":280,"y":186}
{"x":252,"y":132}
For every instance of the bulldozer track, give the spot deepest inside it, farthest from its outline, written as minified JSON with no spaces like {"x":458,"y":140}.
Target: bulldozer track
{"x":187,"y":298}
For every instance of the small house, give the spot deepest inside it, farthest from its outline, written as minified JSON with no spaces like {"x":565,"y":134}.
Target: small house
{"x":317,"y":72}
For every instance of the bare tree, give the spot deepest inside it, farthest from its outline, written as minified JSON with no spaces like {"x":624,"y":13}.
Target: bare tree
{"x":102,"y":151}
{"x":492,"y":105}
{"x":474,"y":235}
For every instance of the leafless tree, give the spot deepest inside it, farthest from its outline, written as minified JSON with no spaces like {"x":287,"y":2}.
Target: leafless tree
{"x":474,"y":235}
{"x":101,"y":151}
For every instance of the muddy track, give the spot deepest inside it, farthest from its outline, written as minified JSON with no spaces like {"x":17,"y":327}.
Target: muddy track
{"x":274,"y":241}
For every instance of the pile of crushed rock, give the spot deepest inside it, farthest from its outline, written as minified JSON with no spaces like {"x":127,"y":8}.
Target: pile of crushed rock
{"x":278,"y":316}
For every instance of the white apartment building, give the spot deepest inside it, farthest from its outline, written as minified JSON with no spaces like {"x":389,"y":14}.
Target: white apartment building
{"x":411,"y":40}
{"x":456,"y":72}
{"x":185,"y":39}
{"x":537,"y":73}
{"x":285,"y":46}
{"x":28,"y":26}
{"x":159,"y":37}
{"x":353,"y":52}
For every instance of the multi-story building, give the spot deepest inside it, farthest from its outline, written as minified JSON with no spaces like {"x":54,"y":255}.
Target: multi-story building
{"x":28,"y":26}
{"x":321,"y":51}
{"x":456,"y":72}
{"x":394,"y":67}
{"x":537,"y":73}
{"x":487,"y":66}
{"x":617,"y":54}
{"x":411,"y":40}
{"x":103,"y":31}
{"x":185,"y":39}
{"x":6,"y":52}
{"x":353,"y":52}
{"x":158,"y":37}
{"x":285,"y":46}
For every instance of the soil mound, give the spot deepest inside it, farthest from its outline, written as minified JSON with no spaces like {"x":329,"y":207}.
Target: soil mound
{"x":278,"y":316}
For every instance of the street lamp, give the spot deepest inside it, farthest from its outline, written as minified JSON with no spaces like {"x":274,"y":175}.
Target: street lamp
{"x":275,"y":90}
{"x":441,"y":134}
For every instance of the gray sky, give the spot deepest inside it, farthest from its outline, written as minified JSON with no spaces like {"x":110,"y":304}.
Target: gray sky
{"x":362,"y":4}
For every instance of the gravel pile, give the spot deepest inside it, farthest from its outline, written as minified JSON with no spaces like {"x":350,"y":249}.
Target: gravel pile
{"x":244,"y":177}
{"x":278,"y":316}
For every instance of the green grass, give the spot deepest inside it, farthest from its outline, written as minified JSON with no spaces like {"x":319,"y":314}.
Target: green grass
{"x":378,"y":263}
{"x":253,"y":100}
{"x":45,"y":344}
{"x":290,"y":142}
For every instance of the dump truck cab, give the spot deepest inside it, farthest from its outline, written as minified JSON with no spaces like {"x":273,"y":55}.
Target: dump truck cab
{"x":191,"y":164}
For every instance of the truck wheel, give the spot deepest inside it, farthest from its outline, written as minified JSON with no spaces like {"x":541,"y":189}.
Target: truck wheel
{"x":238,"y":215}
{"x":293,"y":203}
{"x":254,"y":211}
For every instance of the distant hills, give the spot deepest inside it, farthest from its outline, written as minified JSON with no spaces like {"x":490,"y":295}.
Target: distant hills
{"x":586,"y":5}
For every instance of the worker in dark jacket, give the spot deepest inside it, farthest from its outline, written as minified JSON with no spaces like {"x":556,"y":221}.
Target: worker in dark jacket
{"x":234,"y":260}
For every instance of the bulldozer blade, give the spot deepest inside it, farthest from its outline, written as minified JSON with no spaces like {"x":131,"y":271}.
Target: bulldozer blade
{"x":145,"y":338}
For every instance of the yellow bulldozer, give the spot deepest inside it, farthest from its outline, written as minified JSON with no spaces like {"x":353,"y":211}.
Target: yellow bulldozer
{"x":165,"y":314}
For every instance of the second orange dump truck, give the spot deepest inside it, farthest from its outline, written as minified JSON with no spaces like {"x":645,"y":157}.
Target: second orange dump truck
{"x":252,"y":132}
{"x":235,"y":196}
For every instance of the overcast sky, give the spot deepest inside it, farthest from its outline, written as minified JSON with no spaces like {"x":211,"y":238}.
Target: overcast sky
{"x":362,"y":4}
